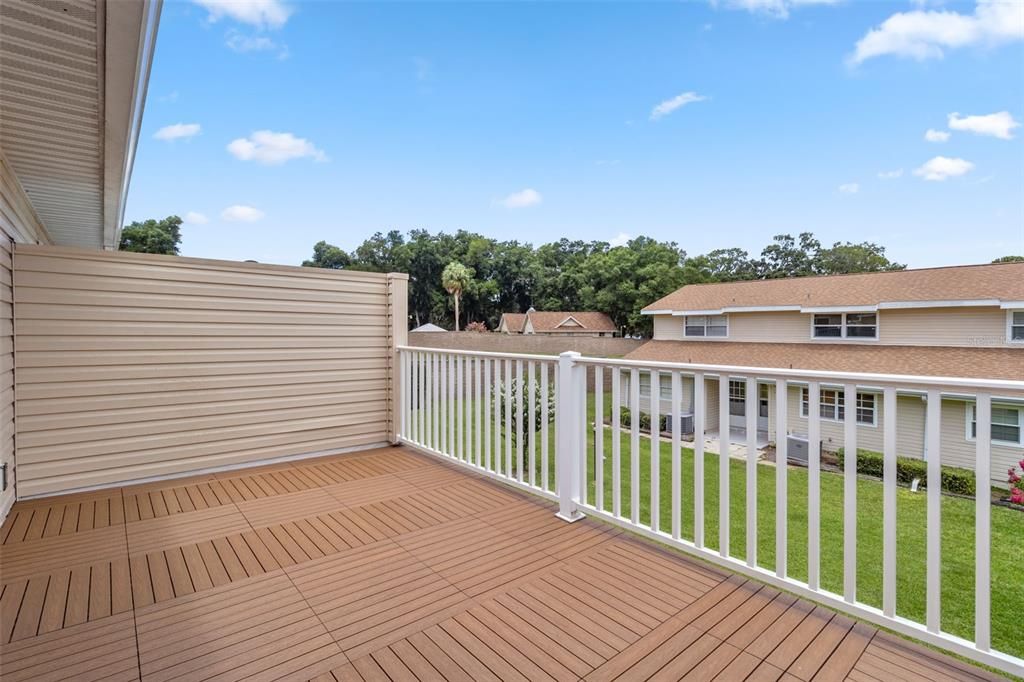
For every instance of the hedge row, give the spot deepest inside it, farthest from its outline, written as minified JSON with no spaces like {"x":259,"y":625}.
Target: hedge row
{"x":625,"y":419}
{"x":954,"y":479}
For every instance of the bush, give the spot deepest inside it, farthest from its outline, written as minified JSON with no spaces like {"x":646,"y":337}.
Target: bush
{"x":478,"y":327}
{"x":954,"y":479}
{"x":625,"y":419}
{"x":1016,"y":484}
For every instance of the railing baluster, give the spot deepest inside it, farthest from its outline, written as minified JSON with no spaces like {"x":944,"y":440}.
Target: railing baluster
{"x":403,"y":357}
{"x":450,"y":404}
{"x":699,"y":412}
{"x":982,"y":528}
{"x":781,"y":475}
{"x":850,"y":493}
{"x":599,"y":437}
{"x":581,"y":427}
{"x":723,"y":464}
{"x":498,"y":377}
{"x":544,"y":417}
{"x":421,"y":413}
{"x":813,"y":484}
{"x":519,"y":420}
{"x":655,"y":450}
{"x":889,"y":502}
{"x":508,"y":418}
{"x":478,"y":404}
{"x":616,"y":441}
{"x":673,"y":415}
{"x":752,"y":405}
{"x":428,"y":391}
{"x":634,"y":445}
{"x":460,"y":404}
{"x":468,"y":404}
{"x":933,"y":448}
{"x":435,"y":369}
{"x":531,"y":421}
{"x":486,"y":416}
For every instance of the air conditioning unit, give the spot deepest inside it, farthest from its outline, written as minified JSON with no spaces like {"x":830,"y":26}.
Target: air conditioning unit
{"x":798,"y":448}
{"x":685,"y":424}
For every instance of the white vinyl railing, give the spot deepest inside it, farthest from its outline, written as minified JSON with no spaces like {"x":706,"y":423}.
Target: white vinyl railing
{"x":554,"y":426}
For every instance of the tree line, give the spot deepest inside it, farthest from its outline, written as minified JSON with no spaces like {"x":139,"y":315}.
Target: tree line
{"x":510,"y":276}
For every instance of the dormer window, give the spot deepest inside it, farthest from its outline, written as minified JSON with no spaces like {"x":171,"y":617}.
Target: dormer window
{"x":845,"y":326}
{"x":706,"y":325}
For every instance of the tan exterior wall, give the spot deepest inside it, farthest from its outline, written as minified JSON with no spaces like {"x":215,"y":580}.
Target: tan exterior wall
{"x":18,"y":224}
{"x":970,"y":327}
{"x":133,"y":366}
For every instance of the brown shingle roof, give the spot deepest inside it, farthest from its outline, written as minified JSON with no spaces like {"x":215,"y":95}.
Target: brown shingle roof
{"x":1002,"y":281}
{"x":514,"y":321}
{"x":548,"y":321}
{"x":945,"y":361}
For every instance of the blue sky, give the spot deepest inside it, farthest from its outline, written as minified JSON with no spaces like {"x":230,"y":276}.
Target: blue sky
{"x":271,"y":125}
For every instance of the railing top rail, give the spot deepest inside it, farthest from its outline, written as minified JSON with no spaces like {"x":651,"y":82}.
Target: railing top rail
{"x":482,"y":353}
{"x":861,"y":378}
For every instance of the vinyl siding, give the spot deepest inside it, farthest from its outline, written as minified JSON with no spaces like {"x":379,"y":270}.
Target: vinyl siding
{"x":133,"y":366}
{"x":965,"y":327}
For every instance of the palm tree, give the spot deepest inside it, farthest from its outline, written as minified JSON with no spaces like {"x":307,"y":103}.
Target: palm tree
{"x":455,"y":279}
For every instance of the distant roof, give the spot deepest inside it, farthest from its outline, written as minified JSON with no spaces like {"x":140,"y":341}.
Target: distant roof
{"x":514,"y":321}
{"x":565,"y":321}
{"x":945,"y":361}
{"x":429,"y":327}
{"x":981,"y":284}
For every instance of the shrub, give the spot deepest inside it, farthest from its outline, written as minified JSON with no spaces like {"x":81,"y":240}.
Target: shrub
{"x":479,"y":327}
{"x":1016,"y":484}
{"x":954,"y":479}
{"x":625,"y":420}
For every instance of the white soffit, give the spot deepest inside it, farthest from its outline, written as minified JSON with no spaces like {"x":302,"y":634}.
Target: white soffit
{"x":71,"y":76}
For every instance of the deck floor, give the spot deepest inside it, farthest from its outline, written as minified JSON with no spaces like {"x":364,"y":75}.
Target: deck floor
{"x":388,"y":564}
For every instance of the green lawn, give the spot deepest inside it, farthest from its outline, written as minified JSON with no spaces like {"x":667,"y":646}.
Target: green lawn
{"x":957,"y":533}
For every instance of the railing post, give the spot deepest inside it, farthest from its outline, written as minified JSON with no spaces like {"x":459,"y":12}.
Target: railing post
{"x":567,"y":445}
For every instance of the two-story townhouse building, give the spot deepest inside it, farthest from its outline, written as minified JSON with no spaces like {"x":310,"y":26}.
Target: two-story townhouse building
{"x":964,"y":321}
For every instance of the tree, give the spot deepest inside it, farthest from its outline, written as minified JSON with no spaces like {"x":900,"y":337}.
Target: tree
{"x":153,"y":236}
{"x":327,"y":256}
{"x":1009,"y":259}
{"x":455,"y":278}
{"x":786,"y":258}
{"x":844,"y":258}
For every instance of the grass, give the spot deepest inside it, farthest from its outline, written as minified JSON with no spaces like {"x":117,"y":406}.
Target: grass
{"x":957,"y":514}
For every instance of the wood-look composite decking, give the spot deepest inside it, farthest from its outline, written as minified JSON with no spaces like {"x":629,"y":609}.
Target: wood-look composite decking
{"x":389,"y":564}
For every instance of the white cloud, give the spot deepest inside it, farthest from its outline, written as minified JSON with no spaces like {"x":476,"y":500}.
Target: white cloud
{"x":849,"y":188}
{"x":241,"y":42}
{"x":677,"y":102}
{"x":933,"y":135}
{"x":926,"y":34}
{"x":522,"y":199}
{"x":621,"y":239}
{"x":258,"y":13}
{"x":177,"y":131}
{"x":194,"y":218}
{"x":942,"y":167}
{"x":270,"y":148}
{"x":778,"y":9}
{"x":241,"y":214}
{"x":170,"y":97}
{"x":997,"y":125}
{"x":891,"y":175}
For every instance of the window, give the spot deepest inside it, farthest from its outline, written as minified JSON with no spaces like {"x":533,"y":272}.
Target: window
{"x":1007,"y":423}
{"x":665,"y":386}
{"x":737,"y":397}
{"x":1015,"y":325}
{"x":706,"y":325}
{"x":832,"y":406}
{"x":845,"y":326}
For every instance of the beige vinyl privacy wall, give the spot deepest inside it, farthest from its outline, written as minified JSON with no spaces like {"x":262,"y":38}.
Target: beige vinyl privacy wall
{"x":132,"y":366}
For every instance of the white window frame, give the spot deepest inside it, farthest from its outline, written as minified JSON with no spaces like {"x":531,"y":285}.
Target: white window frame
{"x":843,"y":327}
{"x":840,"y":399}
{"x":705,"y":335}
{"x":664,"y":387}
{"x":1010,"y":325}
{"x":970,"y":413}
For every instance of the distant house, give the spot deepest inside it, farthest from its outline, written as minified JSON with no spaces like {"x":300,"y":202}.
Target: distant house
{"x":429,"y":327}
{"x":550,"y":323}
{"x":965,"y":321}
